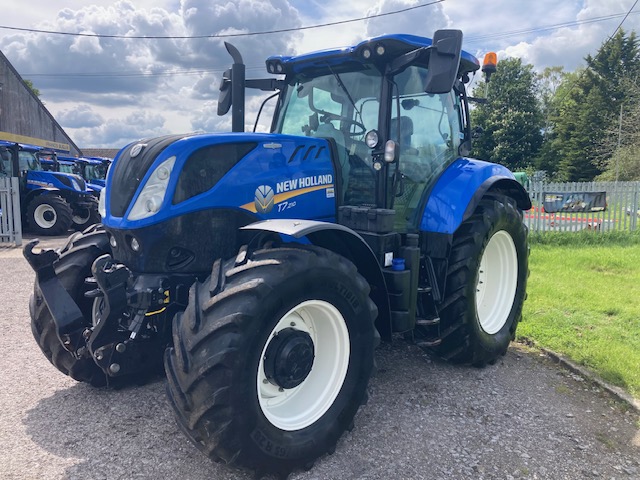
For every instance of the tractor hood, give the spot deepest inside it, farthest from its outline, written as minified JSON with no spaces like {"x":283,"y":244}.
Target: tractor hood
{"x":164,"y":178}
{"x":62,"y":181}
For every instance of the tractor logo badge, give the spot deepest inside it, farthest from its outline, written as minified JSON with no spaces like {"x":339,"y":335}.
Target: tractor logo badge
{"x":136,"y":149}
{"x":264,"y":199}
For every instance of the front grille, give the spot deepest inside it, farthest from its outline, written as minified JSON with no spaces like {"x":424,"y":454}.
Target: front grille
{"x":206,"y":166}
{"x":186,"y":244}
{"x":81,"y":182}
{"x":129,"y":172}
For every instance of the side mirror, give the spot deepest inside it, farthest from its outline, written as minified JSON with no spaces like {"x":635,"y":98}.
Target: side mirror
{"x":224,"y":101}
{"x":444,"y":61}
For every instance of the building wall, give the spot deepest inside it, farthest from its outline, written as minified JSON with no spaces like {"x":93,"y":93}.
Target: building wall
{"x":22,"y":112}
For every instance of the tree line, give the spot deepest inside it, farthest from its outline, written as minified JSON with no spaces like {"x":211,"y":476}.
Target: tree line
{"x":573,"y":126}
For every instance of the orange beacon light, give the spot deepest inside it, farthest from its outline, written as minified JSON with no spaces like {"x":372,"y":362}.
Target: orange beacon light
{"x":489,"y":64}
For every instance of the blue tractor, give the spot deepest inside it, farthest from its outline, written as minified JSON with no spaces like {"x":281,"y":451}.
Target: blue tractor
{"x":51,"y":199}
{"x":94,"y":171}
{"x":268,"y":266}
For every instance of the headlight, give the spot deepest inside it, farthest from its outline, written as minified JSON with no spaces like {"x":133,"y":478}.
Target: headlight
{"x":75,"y":184}
{"x":372,"y":139}
{"x":102,"y":203}
{"x":152,"y":195}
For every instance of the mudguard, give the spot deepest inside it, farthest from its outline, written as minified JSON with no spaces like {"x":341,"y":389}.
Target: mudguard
{"x":457,"y":192}
{"x":343,"y":241}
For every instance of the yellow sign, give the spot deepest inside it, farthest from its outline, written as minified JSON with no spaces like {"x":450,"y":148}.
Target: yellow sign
{"x":12,"y":137}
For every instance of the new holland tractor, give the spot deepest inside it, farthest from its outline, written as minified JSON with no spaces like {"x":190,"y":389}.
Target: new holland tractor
{"x":263,"y":269}
{"x":51,"y":200}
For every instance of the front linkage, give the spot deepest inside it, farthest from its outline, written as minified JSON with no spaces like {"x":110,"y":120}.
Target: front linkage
{"x":130,"y":325}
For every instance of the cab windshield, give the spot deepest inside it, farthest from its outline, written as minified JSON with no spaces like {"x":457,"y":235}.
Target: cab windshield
{"x":95,"y":172}
{"x":28,"y":161}
{"x":6,"y":169}
{"x":341,"y":107}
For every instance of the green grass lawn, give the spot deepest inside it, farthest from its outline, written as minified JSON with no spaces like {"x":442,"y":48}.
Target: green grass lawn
{"x":584,"y":302}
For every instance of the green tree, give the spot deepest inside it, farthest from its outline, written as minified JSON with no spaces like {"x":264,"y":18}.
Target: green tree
{"x":623,"y":139}
{"x":35,"y":91}
{"x":511,"y":118}
{"x":548,"y":83}
{"x":587,"y":104}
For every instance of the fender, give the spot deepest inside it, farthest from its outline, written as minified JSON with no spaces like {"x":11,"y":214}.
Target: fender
{"x":459,"y":189}
{"x":345,"y":242}
{"x":31,"y":194}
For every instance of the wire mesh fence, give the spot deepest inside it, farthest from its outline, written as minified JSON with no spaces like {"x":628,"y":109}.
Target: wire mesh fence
{"x":10,"y":220}
{"x":570,"y":207}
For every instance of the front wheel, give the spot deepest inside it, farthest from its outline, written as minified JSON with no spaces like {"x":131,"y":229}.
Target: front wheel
{"x":486,"y":284}
{"x":49,"y":215}
{"x":72,"y":268}
{"x":272,"y":358}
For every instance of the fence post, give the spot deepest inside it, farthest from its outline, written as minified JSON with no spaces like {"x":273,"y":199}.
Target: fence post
{"x":11,"y":221}
{"x":16,"y":214}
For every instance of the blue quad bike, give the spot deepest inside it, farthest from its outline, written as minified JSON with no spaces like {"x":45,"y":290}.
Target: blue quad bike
{"x":261,"y":270}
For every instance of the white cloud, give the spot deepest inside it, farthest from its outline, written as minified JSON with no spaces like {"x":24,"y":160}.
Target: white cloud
{"x":420,"y":21}
{"x":132,"y":88}
{"x":119,"y":132}
{"x":80,"y":116}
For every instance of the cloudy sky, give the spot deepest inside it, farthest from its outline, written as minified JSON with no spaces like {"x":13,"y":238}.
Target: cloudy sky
{"x":107,"y":92}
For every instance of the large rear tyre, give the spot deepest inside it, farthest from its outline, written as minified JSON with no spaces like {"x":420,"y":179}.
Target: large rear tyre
{"x":72,"y":268}
{"x":49,"y":215}
{"x":272,"y":358}
{"x":486,"y":283}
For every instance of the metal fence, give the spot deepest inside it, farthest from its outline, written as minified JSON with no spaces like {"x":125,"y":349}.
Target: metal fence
{"x":10,"y":219}
{"x":622,"y":211}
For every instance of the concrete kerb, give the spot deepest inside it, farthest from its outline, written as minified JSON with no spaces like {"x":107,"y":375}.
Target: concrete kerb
{"x":585,"y":373}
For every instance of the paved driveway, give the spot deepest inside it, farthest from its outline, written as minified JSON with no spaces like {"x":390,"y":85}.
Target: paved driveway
{"x":522,"y":418}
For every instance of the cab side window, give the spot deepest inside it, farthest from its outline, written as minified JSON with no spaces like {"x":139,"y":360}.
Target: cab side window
{"x":6,"y":169}
{"x":428,"y":131}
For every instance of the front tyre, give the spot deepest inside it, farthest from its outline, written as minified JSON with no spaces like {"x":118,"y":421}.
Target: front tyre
{"x":486,"y":283}
{"x":49,"y":215}
{"x":74,"y":265}
{"x":272,"y":358}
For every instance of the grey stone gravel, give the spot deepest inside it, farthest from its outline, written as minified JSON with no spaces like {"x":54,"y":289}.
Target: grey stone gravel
{"x":524,"y":417}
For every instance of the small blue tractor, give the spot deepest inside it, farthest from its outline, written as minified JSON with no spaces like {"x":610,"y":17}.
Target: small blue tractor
{"x":94,"y":171}
{"x":51,"y":200}
{"x":266,"y":267}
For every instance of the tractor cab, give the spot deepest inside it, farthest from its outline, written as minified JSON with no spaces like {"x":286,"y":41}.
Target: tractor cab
{"x":93,"y":170}
{"x":393,"y":108}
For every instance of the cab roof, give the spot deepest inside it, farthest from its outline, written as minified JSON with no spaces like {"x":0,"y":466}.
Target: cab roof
{"x":394,"y":45}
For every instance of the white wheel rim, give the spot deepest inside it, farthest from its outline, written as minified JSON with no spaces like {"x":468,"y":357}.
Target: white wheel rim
{"x":301,"y":406}
{"x":45,"y":216}
{"x":497,"y":282}
{"x":81,"y":219}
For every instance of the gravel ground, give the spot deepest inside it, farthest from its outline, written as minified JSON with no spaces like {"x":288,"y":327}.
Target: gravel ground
{"x":524,"y":417}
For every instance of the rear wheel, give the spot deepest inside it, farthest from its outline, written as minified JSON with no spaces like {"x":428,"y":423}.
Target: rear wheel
{"x":49,"y":215}
{"x":72,"y":268}
{"x":486,"y":283}
{"x":85,"y":217}
{"x":272,"y":358}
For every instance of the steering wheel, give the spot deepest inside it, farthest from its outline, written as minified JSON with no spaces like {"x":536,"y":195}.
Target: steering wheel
{"x":360,"y":130}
